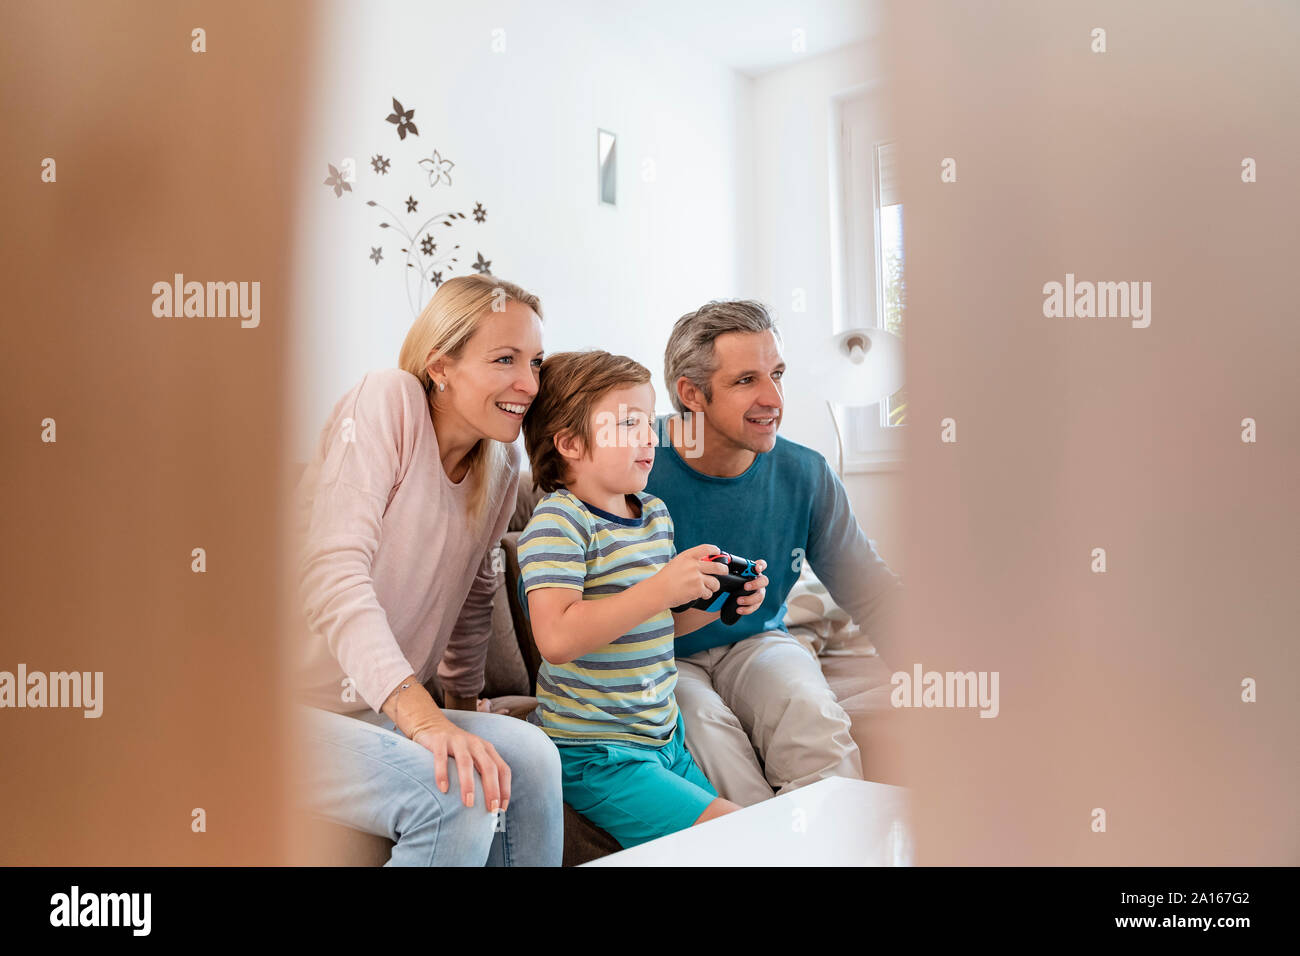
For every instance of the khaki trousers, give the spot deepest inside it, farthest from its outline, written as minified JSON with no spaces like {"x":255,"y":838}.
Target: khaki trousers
{"x":759,"y":716}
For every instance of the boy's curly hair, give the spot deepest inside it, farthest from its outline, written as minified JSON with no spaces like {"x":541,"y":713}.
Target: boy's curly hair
{"x":569,"y":387}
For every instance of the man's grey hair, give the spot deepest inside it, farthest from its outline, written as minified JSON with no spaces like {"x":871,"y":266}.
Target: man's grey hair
{"x":690,"y":353}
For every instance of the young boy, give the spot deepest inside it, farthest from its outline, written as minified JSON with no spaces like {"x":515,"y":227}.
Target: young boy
{"x":600,"y":574}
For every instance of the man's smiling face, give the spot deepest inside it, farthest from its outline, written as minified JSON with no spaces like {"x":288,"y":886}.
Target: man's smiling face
{"x":747,"y":393}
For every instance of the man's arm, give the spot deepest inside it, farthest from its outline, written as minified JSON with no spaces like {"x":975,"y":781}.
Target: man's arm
{"x":691,"y":620}
{"x":843,"y":558}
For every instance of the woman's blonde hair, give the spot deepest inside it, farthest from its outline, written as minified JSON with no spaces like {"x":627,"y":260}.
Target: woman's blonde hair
{"x":442,"y":329}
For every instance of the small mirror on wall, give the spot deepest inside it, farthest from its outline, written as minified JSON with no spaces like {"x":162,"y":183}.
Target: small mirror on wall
{"x":606,"y":165}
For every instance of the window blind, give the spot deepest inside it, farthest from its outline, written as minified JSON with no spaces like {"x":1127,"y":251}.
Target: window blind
{"x":889,"y":191}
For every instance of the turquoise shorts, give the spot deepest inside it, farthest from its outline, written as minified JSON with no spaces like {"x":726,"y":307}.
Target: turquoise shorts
{"x":635,"y":793}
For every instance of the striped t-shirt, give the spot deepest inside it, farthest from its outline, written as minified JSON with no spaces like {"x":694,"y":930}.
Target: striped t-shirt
{"x":621,"y":693}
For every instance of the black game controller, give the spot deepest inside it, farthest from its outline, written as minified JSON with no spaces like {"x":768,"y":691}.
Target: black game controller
{"x":731,"y":587}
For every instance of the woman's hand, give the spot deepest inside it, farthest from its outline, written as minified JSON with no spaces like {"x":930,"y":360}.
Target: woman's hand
{"x":757,"y":589}
{"x":444,"y":739}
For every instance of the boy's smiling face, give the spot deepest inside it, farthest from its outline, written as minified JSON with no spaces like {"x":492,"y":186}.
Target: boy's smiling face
{"x":622,"y":447}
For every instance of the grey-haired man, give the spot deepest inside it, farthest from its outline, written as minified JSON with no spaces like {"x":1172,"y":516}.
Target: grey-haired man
{"x":758,"y":712}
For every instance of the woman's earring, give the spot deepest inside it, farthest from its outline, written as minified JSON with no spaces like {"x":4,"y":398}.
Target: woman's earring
{"x":442,"y":386}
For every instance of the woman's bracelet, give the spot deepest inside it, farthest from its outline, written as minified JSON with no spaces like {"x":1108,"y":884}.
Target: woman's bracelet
{"x":430,"y":720}
{"x":396,"y":694}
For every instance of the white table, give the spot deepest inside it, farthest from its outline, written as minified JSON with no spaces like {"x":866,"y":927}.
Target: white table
{"x":833,"y":822}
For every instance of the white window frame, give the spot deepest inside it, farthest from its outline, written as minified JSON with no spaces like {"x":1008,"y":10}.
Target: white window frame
{"x":871,"y":444}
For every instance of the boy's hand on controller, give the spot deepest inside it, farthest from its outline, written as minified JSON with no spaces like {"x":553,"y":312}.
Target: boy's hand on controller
{"x":757,"y":589}
{"x":689,"y":576}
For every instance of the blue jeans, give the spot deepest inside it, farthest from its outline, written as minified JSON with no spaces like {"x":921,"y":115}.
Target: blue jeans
{"x":364,"y":773}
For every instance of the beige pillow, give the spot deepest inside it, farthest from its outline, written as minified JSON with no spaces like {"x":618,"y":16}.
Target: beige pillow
{"x":813,"y":617}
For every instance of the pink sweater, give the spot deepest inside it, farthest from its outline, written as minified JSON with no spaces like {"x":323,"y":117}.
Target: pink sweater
{"x":394,"y":578}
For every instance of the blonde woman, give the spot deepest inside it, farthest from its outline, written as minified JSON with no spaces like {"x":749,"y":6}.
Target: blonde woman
{"x":410,"y":489}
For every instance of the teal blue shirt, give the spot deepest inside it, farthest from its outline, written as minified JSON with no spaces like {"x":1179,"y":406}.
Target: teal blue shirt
{"x":788,"y":507}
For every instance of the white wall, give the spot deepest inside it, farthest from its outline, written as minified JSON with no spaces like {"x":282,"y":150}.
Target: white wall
{"x":792,"y":138}
{"x":520,"y":126}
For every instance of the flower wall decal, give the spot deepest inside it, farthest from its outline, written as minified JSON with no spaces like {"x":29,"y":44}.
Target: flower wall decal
{"x":336,"y":180}
{"x":421,"y":237}
{"x":427,"y":262}
{"x":437,"y":168}
{"x":403,"y":120}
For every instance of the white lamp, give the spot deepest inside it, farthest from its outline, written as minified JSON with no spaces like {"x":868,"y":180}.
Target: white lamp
{"x":866,"y":366}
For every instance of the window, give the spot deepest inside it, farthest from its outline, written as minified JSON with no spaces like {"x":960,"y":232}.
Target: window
{"x":867,"y":266}
{"x":889,"y":268}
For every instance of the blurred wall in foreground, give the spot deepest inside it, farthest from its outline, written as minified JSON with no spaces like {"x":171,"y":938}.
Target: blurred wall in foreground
{"x":1119,"y":691}
{"x":167,"y":161}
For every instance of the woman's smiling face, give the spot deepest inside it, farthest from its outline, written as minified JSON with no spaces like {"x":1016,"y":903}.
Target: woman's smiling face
{"x":492,"y":383}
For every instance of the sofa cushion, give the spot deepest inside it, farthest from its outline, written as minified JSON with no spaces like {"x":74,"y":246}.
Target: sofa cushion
{"x":583,"y":840}
{"x":525,"y":501}
{"x":532,"y":658}
{"x":505,"y":672}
